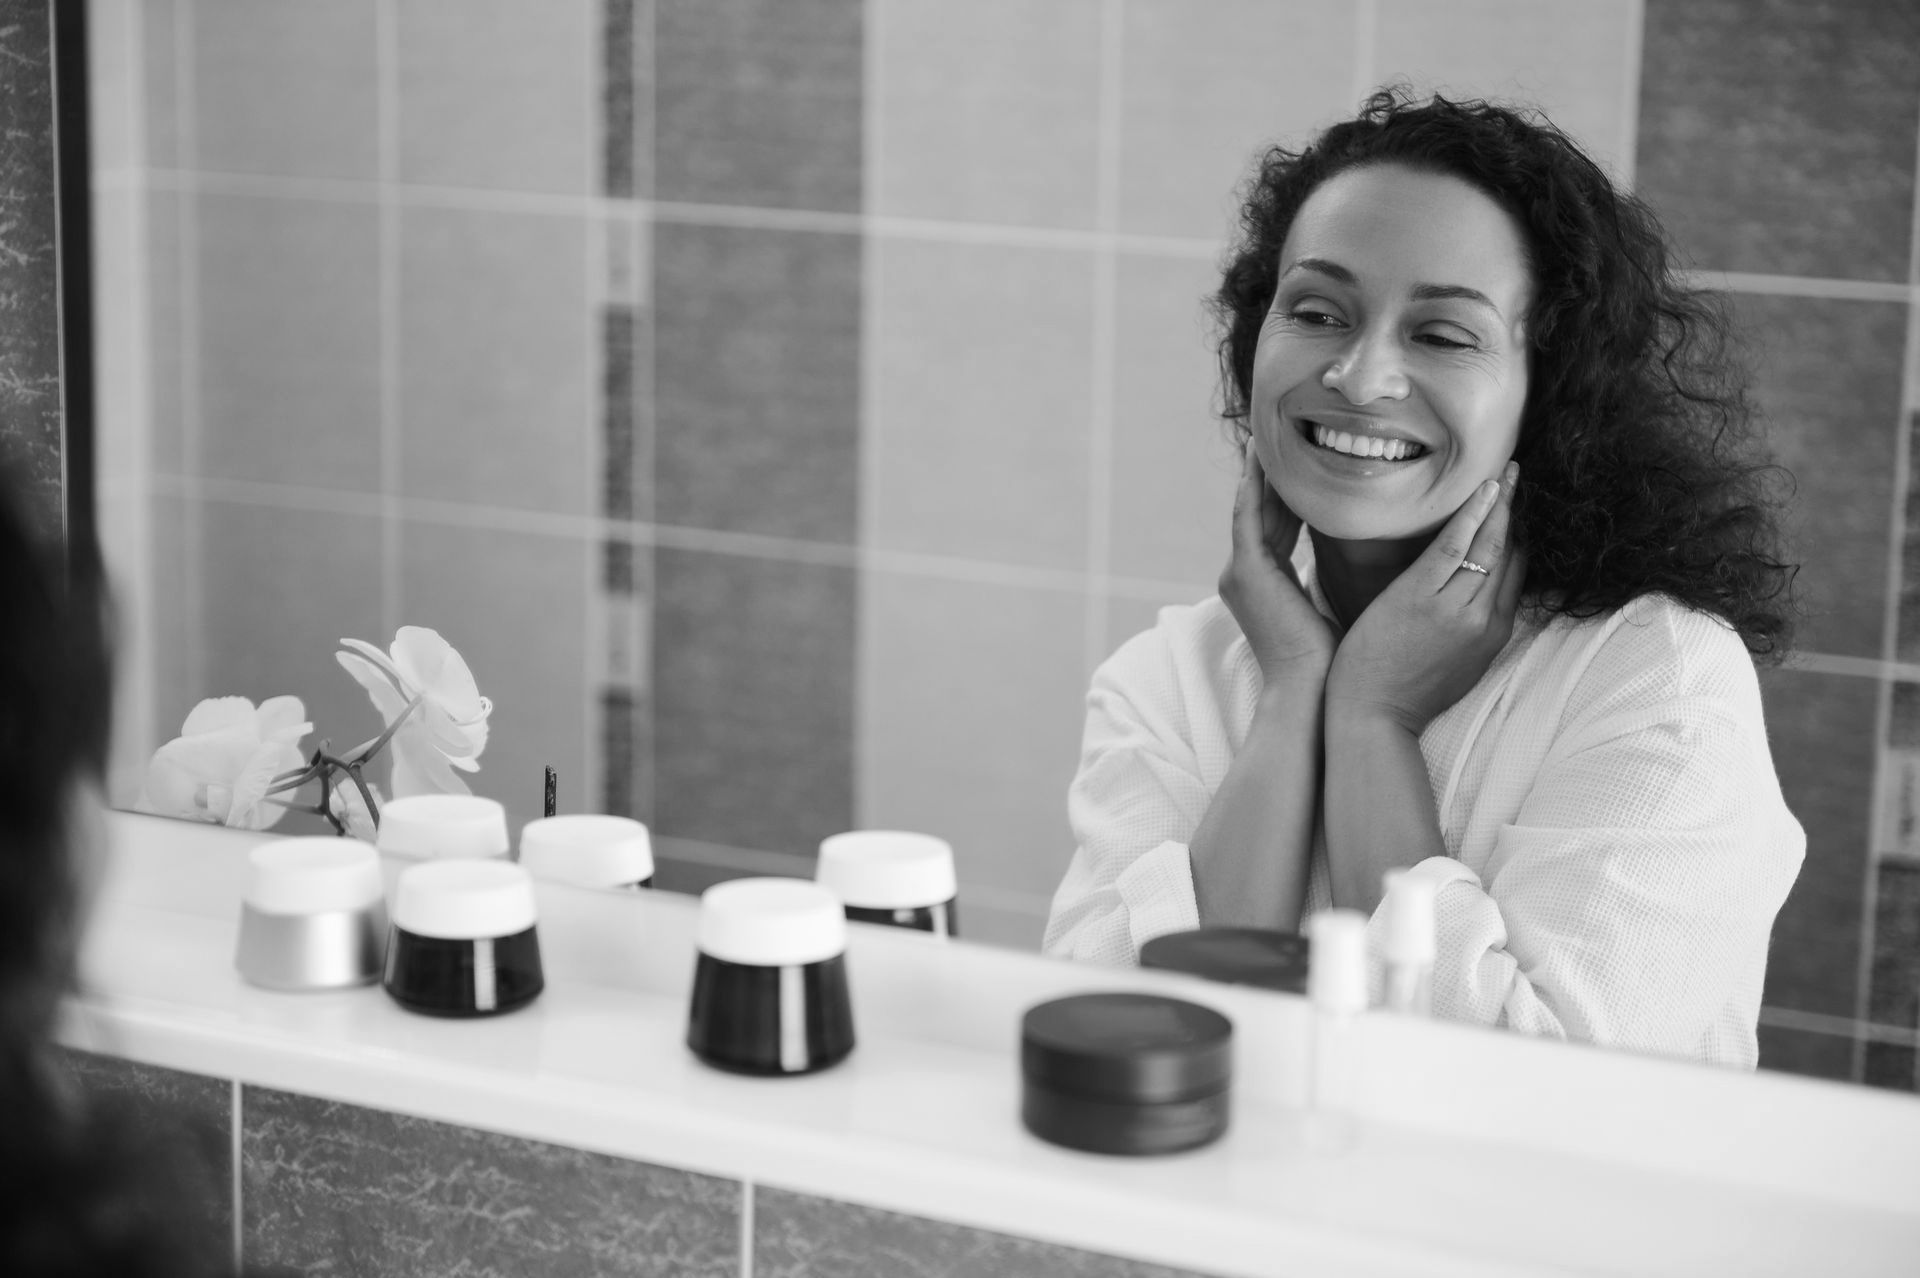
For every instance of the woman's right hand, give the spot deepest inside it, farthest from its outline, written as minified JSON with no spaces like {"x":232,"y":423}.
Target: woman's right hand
{"x":1293,"y":643}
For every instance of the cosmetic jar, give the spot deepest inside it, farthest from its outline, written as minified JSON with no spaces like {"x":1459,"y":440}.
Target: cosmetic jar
{"x":588,"y":850}
{"x":463,"y":941}
{"x":770,"y":984}
{"x":428,"y":826}
{"x":313,"y":915}
{"x":1125,"y":1073}
{"x":892,"y":876}
{"x":1266,"y":957}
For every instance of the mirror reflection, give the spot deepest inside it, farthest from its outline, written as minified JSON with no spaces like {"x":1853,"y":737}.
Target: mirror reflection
{"x":782,"y":422}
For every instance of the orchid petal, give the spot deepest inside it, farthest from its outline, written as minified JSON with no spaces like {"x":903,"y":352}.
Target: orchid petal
{"x":388,"y":698}
{"x":282,"y":719}
{"x":216,"y":713}
{"x":429,"y":661}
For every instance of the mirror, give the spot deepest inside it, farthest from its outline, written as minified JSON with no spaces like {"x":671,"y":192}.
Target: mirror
{"x":785,"y":407}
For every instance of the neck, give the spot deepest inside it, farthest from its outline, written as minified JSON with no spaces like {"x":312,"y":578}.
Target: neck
{"x":1354,"y":572}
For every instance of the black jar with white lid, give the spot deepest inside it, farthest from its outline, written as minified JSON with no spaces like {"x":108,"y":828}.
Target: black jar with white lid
{"x":894,"y":877}
{"x":1125,"y":1073}
{"x":463,"y":940}
{"x":770,"y":984}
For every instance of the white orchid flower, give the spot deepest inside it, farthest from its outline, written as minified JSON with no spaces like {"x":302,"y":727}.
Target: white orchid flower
{"x":448,"y":727}
{"x":227,"y":754}
{"x":350,"y":808}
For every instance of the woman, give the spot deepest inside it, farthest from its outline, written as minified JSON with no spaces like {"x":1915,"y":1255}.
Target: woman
{"x":86,"y":1187}
{"x":1514,"y":652}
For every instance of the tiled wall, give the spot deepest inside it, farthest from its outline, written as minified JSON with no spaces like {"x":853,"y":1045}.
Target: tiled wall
{"x":785,"y":405}
{"x":328,"y":1187}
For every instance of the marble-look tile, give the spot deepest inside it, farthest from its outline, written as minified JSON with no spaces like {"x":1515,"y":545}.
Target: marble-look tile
{"x":1907,"y":641}
{"x":757,"y":368}
{"x":1827,"y":380}
{"x":1893,"y":1066}
{"x":515,"y":605}
{"x":626,"y":98}
{"x":626,"y":754}
{"x":1205,"y":88}
{"x":1174,"y":466}
{"x":497,"y":352}
{"x":340,"y":1189}
{"x":289,"y":306}
{"x":494,"y":94}
{"x":982,"y":413}
{"x":1821,"y":729}
{"x":285,"y":88}
{"x":280,"y":588}
{"x":759,"y":102}
{"x":971,"y":707}
{"x":1815,"y":1055}
{"x":1570,"y":58}
{"x":1894,"y":992}
{"x":32,"y":439}
{"x":178,"y":1129}
{"x":753,"y":678}
{"x":1899,"y":817}
{"x":800,"y":1236}
{"x":989,"y":110}
{"x":1778,"y":136}
{"x":625,"y":492}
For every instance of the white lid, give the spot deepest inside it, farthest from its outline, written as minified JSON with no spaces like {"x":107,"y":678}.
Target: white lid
{"x":587,"y":849}
{"x":887,"y":869}
{"x":444,"y":825}
{"x":1337,"y":960}
{"x":464,"y":900}
{"x":771,"y":922}
{"x":317,"y":875}
{"x":1407,"y":913}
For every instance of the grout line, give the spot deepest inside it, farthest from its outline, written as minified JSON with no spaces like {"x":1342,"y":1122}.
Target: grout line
{"x":1862,"y":1031}
{"x":868,"y":425}
{"x":746,"y":1228}
{"x":1630,"y":103}
{"x":1101,"y":397}
{"x":187,"y":267}
{"x":235,"y":1119}
{"x":387,"y":113}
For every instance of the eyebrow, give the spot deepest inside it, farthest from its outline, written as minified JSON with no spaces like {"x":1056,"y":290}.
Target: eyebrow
{"x":1421,"y":292}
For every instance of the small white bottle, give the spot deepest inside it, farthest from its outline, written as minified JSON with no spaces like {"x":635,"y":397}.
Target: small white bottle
{"x":1337,"y":988}
{"x":1407,"y":943}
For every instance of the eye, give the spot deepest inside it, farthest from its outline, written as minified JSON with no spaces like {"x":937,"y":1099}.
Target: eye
{"x":1447,"y":339}
{"x":1312,"y":315}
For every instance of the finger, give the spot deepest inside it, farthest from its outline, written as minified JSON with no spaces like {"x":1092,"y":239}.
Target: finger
{"x":1246,"y":500}
{"x":1441,"y":560}
{"x":1489,"y":545}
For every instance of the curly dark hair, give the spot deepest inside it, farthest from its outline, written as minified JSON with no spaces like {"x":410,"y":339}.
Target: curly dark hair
{"x":1641,"y":465}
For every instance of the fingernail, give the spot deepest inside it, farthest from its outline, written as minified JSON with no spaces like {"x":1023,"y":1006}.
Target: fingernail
{"x":1489,"y":489}
{"x":1512,"y":474}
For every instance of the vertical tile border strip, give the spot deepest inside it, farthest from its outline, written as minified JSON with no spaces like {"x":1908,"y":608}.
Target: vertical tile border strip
{"x":387,"y":115}
{"x":1103,"y":342}
{"x":612,"y":282}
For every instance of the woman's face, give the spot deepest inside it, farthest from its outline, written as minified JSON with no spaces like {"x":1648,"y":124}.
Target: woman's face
{"x":1392,"y":367}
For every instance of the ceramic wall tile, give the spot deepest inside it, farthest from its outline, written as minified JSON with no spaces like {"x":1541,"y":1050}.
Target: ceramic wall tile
{"x":1821,"y":730}
{"x":285,"y":88}
{"x":1204,"y":89}
{"x":361,"y":1191}
{"x":182,"y":1126}
{"x":757,"y":362}
{"x":971,"y":708}
{"x":798,"y":1235}
{"x":1795,"y":1051}
{"x":989,"y":111}
{"x":1174,"y":463}
{"x":759,"y":102}
{"x":120,"y":391}
{"x":1570,"y":58}
{"x":499,"y":94}
{"x":165,"y":342}
{"x":161,"y":33}
{"x":982,"y":409}
{"x":114,"y":51}
{"x":1778,"y":137}
{"x":1894,"y":1066}
{"x":515,"y":605}
{"x":1907,"y":644}
{"x":626,"y":98}
{"x":1894,"y":997}
{"x":281,"y":587}
{"x":497,"y":350}
{"x":289,"y":341}
{"x":753,"y":670}
{"x":984,"y":923}
{"x":1128,"y":615}
{"x":176,"y":653}
{"x":1827,"y":380}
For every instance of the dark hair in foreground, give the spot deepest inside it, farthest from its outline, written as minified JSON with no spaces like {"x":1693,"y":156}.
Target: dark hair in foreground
{"x":84,"y":1189}
{"x":1640,"y":470}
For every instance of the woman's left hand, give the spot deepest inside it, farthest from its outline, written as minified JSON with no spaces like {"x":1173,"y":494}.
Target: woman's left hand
{"x":1426,"y":639}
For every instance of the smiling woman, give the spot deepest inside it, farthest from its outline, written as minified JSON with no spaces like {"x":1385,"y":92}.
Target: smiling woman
{"x":1513,"y":653}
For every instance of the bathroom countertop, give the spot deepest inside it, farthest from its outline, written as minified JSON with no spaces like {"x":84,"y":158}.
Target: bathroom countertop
{"x":1473,"y":1153}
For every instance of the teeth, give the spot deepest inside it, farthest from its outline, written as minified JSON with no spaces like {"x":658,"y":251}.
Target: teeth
{"x":1365,"y":445}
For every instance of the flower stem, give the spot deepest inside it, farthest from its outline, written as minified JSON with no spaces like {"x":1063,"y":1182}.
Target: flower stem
{"x":364,"y":752}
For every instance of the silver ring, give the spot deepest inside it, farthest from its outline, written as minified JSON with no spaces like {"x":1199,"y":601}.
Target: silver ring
{"x":1471,"y":566}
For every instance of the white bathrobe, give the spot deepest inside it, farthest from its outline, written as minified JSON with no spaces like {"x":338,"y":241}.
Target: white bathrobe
{"x":1617,"y":843}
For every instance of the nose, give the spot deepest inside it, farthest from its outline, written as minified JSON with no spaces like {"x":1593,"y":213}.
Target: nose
{"x":1366,"y":369}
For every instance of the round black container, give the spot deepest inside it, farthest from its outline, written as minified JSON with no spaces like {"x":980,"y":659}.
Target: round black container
{"x":770,"y":1020}
{"x":445,"y":977}
{"x":1125,"y":1073}
{"x":942,"y":919}
{"x":1271,"y":959}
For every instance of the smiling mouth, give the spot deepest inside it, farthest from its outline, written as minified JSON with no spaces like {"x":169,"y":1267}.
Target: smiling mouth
{"x":1362,"y":447}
